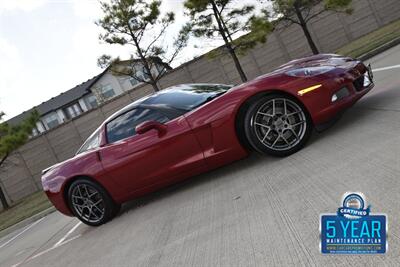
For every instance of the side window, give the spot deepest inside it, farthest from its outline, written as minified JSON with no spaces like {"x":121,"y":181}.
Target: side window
{"x":92,"y":142}
{"x":124,"y":125}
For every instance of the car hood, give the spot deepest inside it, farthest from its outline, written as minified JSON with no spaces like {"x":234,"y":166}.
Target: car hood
{"x":319,"y":60}
{"x":60,"y":163}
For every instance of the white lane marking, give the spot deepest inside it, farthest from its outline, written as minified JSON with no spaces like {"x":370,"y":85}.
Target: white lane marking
{"x":54,"y":247}
{"x":26,"y":229}
{"x":69,"y":232}
{"x":46,"y":251}
{"x":386,"y":68}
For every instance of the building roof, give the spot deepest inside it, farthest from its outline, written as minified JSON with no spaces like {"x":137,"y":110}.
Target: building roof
{"x":59,"y":101}
{"x":71,"y":95}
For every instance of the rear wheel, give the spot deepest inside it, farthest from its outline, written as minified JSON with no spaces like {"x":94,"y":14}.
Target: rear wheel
{"x":277,"y":125}
{"x":91,"y":203}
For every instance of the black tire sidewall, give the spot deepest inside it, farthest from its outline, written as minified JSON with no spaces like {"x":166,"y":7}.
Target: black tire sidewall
{"x":111,"y":209}
{"x":254,"y":105}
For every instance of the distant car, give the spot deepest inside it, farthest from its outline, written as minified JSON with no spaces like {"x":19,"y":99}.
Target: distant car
{"x":188,"y":129}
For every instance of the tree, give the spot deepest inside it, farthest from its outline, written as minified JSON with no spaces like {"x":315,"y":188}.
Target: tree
{"x":11,"y":138}
{"x":301,"y":12}
{"x":139,"y":23}
{"x":222,"y":19}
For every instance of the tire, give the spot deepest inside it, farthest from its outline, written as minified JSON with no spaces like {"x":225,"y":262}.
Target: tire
{"x":277,"y":125}
{"x":91,"y":203}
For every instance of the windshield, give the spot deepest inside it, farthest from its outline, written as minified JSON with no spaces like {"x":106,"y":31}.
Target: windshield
{"x":187,"y":96}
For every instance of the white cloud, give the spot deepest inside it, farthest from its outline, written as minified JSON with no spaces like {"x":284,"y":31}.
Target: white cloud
{"x":25,"y":5}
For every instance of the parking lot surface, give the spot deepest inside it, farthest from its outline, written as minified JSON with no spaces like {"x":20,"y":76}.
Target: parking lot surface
{"x":259,"y":211}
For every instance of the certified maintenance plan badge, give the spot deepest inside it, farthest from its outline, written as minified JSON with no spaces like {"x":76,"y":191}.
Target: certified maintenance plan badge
{"x":353,"y":229}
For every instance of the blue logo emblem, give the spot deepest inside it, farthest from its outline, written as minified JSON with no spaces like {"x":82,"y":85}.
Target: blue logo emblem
{"x":353,"y":229}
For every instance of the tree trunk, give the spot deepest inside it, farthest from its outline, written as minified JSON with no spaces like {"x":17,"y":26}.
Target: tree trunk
{"x":237,"y":64}
{"x":153,"y":82}
{"x":303,"y":25}
{"x":2,"y":195}
{"x":228,"y":44}
{"x":155,"y":86}
{"x":3,"y":199}
{"x":145,"y":63}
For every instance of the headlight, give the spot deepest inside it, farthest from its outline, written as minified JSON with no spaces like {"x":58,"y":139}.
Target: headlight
{"x":309,"y":71}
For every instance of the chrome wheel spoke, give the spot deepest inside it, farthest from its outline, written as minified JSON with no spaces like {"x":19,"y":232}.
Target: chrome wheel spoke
{"x":297,"y":123}
{"x":294,"y":113}
{"x":284,"y":139}
{"x":79,"y":205}
{"x":94,"y":206}
{"x":266,"y":134}
{"x":86,"y":191}
{"x":284,"y":107}
{"x":93,"y":194}
{"x":276,"y":141}
{"x":265,"y":114}
{"x":90,"y":213}
{"x":273,"y":107}
{"x":294,"y":133}
{"x":98,"y":202}
{"x":80,"y":208}
{"x":262,"y":125}
{"x":80,"y":192}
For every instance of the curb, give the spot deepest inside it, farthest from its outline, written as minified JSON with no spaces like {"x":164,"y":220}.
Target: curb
{"x":379,"y":49}
{"x":27,"y":221}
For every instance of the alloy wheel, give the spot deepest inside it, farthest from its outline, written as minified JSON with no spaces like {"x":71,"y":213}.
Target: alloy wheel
{"x":88,"y":203}
{"x":279,"y":124}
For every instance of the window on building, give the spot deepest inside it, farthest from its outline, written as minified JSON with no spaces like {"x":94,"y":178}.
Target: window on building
{"x":73,"y":111}
{"x":107,"y":91}
{"x":145,"y":75}
{"x":40,"y":127}
{"x":133,"y":81}
{"x":161,"y":69}
{"x":91,"y":102}
{"x":51,"y":120}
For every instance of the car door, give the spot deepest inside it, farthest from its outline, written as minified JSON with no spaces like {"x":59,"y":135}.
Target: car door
{"x":137,"y":161}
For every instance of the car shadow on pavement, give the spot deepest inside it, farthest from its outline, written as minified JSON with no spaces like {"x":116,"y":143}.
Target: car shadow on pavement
{"x":195,"y":181}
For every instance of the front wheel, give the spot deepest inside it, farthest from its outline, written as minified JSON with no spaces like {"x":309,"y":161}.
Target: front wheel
{"x":91,"y":203}
{"x":277,"y":125}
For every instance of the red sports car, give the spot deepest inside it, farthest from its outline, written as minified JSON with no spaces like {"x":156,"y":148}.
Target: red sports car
{"x":188,"y":129}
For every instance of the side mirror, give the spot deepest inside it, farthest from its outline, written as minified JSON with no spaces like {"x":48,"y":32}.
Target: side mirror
{"x":151,"y":125}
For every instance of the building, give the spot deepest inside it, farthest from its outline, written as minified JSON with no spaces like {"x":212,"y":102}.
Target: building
{"x":86,"y":96}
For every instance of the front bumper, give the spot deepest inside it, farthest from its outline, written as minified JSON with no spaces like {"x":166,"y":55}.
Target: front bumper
{"x":57,"y":199}
{"x":340,"y":92}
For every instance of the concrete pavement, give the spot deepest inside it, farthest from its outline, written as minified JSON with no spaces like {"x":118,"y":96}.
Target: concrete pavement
{"x":260,"y":211}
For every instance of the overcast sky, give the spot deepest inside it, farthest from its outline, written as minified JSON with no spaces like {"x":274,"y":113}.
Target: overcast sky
{"x":50,"y":46}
